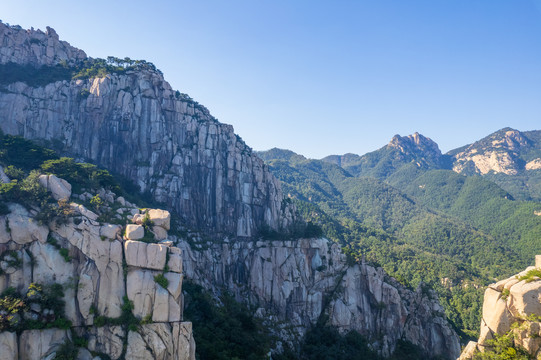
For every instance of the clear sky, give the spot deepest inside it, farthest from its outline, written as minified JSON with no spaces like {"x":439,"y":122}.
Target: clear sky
{"x":325,"y":77}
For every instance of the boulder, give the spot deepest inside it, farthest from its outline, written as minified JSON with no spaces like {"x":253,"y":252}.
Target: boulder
{"x":24,"y":228}
{"x":107,"y":339}
{"x":137,"y":347}
{"x":160,"y":218}
{"x":134,"y":232}
{"x":159,"y":232}
{"x":110,"y":231}
{"x":495,"y":312}
{"x":525,"y":299}
{"x":143,"y":255}
{"x":59,"y":188}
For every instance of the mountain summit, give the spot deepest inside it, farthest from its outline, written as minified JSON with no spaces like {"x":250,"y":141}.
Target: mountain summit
{"x":414,"y":150}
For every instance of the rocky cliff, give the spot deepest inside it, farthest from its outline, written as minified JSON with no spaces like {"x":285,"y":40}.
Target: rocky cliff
{"x":76,"y":284}
{"x":133,"y":123}
{"x":298,"y":282}
{"x":499,"y":153}
{"x":512,"y":312}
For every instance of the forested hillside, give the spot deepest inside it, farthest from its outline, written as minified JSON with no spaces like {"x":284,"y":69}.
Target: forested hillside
{"x":425,"y":227}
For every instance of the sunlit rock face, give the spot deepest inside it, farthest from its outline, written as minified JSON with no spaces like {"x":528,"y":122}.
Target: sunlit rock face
{"x":512,"y":305}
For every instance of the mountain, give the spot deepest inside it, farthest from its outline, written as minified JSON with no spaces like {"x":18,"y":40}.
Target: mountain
{"x":508,"y":157}
{"x":123,"y":116}
{"x":415,"y":150}
{"x":132,"y":122}
{"x":412,"y":241}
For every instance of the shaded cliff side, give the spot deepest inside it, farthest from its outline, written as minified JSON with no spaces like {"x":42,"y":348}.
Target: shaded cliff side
{"x":296,"y":283}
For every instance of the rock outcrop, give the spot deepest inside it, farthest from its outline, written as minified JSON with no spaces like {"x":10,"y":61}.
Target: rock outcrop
{"x":512,"y":307}
{"x":498,"y":153}
{"x":135,"y":124}
{"x":121,"y":297}
{"x":297,"y":282}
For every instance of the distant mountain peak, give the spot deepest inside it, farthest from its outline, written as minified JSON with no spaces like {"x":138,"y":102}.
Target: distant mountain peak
{"x":415,"y":143}
{"x":496,"y":153}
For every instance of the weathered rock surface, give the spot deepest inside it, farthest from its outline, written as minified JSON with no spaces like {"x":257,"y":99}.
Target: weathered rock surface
{"x":136,"y":125}
{"x":512,"y":305}
{"x":59,"y":188}
{"x":35,"y":47}
{"x":98,"y":274}
{"x":291,"y":280}
{"x":498,"y":153}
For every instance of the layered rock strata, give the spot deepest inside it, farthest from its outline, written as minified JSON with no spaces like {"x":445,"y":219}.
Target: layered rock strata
{"x":297,"y":282}
{"x":512,"y":306}
{"x":102,"y":275}
{"x":135,"y":124}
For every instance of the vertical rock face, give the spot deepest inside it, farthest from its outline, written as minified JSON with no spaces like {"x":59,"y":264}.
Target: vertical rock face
{"x":299,"y":281}
{"x":123,"y":297}
{"x":136,"y":125}
{"x":512,"y":306}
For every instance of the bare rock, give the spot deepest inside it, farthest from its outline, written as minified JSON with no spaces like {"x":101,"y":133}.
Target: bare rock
{"x":110,"y":231}
{"x":60,"y":189}
{"x":160,"y":218}
{"x":8,"y":345}
{"x":159,"y":232}
{"x":35,"y":344}
{"x":107,"y":340}
{"x":137,"y":347}
{"x":134,"y":232}
{"x":23,"y":227}
{"x":143,"y":255}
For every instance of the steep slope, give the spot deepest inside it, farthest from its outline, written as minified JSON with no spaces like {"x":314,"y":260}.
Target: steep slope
{"x":510,"y":328}
{"x":304,"y":282}
{"x":510,"y":158}
{"x":416,"y":150}
{"x":133,"y":123}
{"x":71,"y":286}
{"x":413,"y":243}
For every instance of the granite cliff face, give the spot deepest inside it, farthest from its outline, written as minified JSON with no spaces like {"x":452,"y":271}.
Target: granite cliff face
{"x":111,"y":300}
{"x":512,"y":307}
{"x":297,"y":282}
{"x":136,"y":125}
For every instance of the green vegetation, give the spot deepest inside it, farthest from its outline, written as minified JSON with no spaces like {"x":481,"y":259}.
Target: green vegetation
{"x":161,"y":280}
{"x":229,"y":331}
{"x":40,"y":308}
{"x":534,"y":274}
{"x":412,"y":242}
{"x":502,"y":348}
{"x":88,"y":68}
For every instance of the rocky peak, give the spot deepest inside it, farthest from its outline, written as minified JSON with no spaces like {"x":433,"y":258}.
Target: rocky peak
{"x":498,"y":153}
{"x":35,"y":47}
{"x":133,"y":123}
{"x":417,"y":148}
{"x":415,"y":143}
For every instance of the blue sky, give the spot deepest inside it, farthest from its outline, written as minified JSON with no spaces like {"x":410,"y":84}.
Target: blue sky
{"x":326,"y":77}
